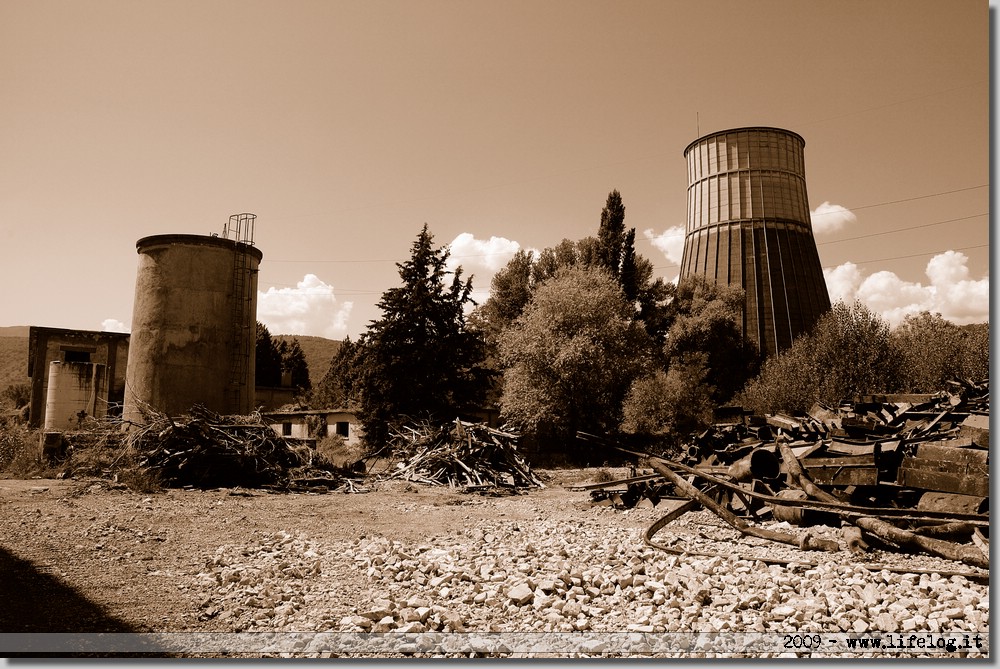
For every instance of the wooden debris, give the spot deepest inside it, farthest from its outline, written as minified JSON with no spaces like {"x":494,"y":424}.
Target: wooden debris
{"x":885,"y":530}
{"x":207,"y":450}
{"x":466,"y":455}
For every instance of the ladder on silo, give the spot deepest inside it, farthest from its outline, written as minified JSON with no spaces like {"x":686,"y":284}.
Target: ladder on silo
{"x":244,"y":336}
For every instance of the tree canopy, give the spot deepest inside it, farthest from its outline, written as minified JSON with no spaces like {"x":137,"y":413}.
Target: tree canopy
{"x":705,"y":318}
{"x":849,"y":352}
{"x":571,"y":356}
{"x":419,"y":360}
{"x":612,"y":250}
{"x":934,"y":351}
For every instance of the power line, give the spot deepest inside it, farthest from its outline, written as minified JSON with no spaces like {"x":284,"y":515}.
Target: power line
{"x":917,"y":255}
{"x":910,"y":199}
{"x":865,"y":262}
{"x":870,"y":206}
{"x":903,"y":229}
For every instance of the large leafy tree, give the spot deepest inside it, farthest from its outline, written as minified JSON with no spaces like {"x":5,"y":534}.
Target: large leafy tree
{"x":419,"y":360}
{"x":849,"y":352}
{"x":293,"y":362}
{"x":612,"y":249}
{"x":671,"y":404}
{"x":706,"y":359}
{"x":571,"y":356}
{"x":336,"y":388}
{"x":705,"y":318}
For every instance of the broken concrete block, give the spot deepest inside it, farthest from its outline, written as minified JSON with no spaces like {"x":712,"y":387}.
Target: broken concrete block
{"x":521,"y":594}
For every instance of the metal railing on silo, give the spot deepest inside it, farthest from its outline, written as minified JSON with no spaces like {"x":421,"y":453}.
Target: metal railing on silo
{"x":240,"y":229}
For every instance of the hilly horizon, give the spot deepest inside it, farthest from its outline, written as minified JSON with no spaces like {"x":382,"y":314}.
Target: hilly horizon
{"x":318,"y":351}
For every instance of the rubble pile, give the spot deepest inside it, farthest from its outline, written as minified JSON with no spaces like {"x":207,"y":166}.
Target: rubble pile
{"x":906,"y":471}
{"x":467,"y":455}
{"x":206,"y":450}
{"x":542,"y":575}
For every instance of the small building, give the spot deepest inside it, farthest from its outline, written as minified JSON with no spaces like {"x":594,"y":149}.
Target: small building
{"x":88,"y":367}
{"x":316,"y":424}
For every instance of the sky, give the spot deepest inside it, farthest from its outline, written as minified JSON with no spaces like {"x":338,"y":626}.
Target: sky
{"x":345,"y":126}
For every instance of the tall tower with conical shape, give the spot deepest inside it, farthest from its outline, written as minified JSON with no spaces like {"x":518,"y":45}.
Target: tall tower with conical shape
{"x":748,"y":224}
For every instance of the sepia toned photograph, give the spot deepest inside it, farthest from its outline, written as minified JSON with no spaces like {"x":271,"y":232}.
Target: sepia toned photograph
{"x":417,"y":330}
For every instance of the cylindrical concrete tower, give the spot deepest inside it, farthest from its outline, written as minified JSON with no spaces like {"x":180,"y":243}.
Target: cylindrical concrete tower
{"x":748,"y":224}
{"x":194,"y":326}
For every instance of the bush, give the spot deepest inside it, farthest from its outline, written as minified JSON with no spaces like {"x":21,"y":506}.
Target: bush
{"x":20,"y":453}
{"x":671,"y":404}
{"x":334,"y":454}
{"x":848,"y":353}
{"x":140,"y":479}
{"x":16,"y":395}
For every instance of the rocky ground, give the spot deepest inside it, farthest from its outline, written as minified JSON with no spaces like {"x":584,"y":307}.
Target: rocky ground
{"x":419,"y":564}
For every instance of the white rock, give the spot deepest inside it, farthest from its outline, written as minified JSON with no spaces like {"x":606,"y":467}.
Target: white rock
{"x":521,"y":594}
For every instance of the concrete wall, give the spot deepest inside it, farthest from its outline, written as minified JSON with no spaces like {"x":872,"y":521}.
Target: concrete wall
{"x":185,"y":329}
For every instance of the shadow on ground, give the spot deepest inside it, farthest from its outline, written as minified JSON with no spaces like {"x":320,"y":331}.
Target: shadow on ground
{"x":33,"y":602}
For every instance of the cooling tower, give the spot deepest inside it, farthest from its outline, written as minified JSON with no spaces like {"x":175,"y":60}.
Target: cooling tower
{"x":748,"y":224}
{"x":193,"y":326}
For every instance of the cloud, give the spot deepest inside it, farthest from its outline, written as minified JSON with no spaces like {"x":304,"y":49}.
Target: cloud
{"x":309,"y":309}
{"x":670,"y":242}
{"x":481,"y":259}
{"x":828,"y":218}
{"x":949,"y":292}
{"x":113,"y":325}
{"x":843,"y":281}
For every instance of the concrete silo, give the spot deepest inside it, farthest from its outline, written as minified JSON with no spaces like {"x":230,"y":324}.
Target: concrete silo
{"x":194,"y":323}
{"x":748,"y":224}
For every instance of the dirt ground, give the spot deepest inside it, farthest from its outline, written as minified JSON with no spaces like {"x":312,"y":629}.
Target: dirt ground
{"x":90,"y":555}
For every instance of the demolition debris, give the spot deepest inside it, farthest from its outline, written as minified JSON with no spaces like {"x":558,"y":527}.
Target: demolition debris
{"x":466,"y":455}
{"x":900,"y":472}
{"x":206,"y":450}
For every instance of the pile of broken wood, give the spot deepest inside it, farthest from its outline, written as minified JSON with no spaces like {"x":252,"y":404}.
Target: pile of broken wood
{"x":470,"y":456}
{"x":906,"y":471}
{"x":208,"y":450}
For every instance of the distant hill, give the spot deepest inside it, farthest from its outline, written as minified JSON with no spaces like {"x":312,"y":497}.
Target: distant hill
{"x":13,"y":358}
{"x":15,"y":331}
{"x":319,"y":351}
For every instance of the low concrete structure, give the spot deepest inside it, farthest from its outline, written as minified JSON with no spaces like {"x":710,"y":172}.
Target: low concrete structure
{"x":77,"y":348}
{"x":316,"y":424}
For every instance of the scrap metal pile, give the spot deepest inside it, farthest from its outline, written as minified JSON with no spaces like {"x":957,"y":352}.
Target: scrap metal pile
{"x":903,"y":471}
{"x":467,"y":455}
{"x":206,"y":450}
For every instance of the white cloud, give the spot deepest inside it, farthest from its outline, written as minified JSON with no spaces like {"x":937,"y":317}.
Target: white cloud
{"x":113,"y":325}
{"x":310,"y":309}
{"x":670,"y":242}
{"x":828,"y":218}
{"x":950,"y":292}
{"x":843,"y":281}
{"x":480,"y":259}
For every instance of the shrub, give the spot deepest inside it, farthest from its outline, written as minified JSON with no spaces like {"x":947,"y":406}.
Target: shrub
{"x":333,"y":454}
{"x":20,"y":453}
{"x":140,"y":479}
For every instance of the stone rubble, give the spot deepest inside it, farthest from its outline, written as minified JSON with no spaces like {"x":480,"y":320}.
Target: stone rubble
{"x":591,"y":576}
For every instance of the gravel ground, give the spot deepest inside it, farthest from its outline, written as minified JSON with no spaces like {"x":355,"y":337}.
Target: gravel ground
{"x":426,"y":563}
